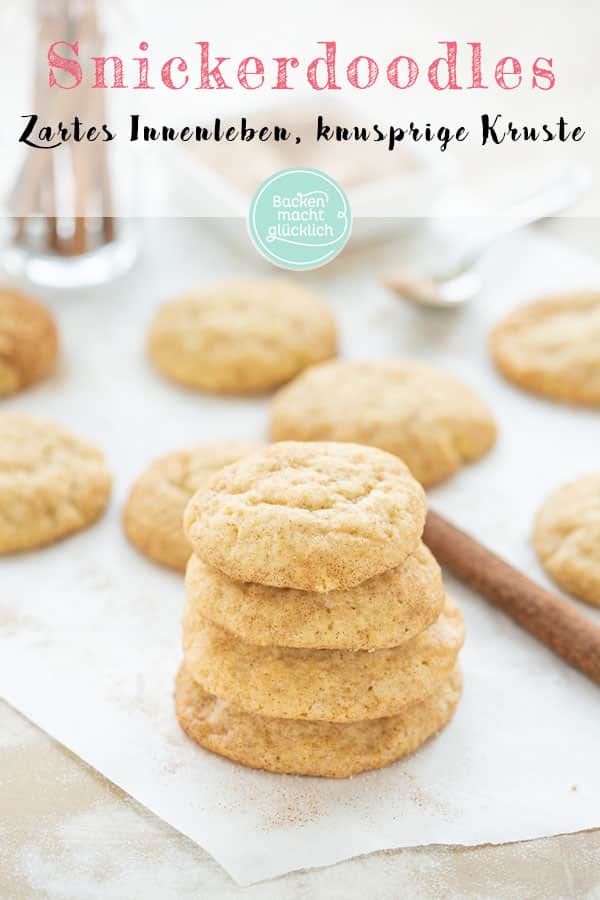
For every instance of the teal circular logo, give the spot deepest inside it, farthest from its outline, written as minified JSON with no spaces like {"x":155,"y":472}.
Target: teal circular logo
{"x":299,"y":219}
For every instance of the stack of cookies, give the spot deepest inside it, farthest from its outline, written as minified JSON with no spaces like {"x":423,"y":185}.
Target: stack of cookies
{"x":317,"y":635}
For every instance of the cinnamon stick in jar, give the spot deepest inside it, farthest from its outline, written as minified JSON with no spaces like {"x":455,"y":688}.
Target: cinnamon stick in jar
{"x":553,"y":621}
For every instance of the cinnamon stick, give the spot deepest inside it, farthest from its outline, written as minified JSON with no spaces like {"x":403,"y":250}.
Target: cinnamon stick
{"x":553,"y":621}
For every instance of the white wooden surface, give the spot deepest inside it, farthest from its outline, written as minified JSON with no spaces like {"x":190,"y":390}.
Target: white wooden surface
{"x":68,"y":834}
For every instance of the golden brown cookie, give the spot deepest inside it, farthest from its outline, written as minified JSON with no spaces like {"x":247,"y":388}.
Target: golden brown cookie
{"x":51,"y":483}
{"x":242,"y":337}
{"x":329,"y":685}
{"x":153,"y":515}
{"x":426,"y":417}
{"x":28,"y":341}
{"x":329,"y":749}
{"x":567,"y":537}
{"x":382,"y":612}
{"x":317,"y":517}
{"x":552,"y":347}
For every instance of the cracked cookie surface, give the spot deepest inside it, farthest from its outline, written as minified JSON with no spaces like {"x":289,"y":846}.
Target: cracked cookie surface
{"x":328,"y":685}
{"x":153,"y":514}
{"x":241,"y":337}
{"x":427,"y":417}
{"x":330,"y":749}
{"x":312,"y":516}
{"x":28,"y":341}
{"x":51,"y":483}
{"x":552,"y":347}
{"x":384,"y":611}
{"x":567,"y":537}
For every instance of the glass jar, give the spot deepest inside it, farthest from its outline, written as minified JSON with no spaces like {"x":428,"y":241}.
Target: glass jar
{"x":70,"y":210}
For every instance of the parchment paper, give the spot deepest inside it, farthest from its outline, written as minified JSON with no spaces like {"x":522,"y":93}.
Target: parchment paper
{"x":90,"y":631}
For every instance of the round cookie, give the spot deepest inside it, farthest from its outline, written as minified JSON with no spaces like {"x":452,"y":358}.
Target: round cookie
{"x":328,"y":685}
{"x":426,"y":417}
{"x":329,"y":749}
{"x":317,"y":517}
{"x":385,"y":611}
{"x":241,"y":337}
{"x":51,"y":483}
{"x":153,"y":514}
{"x":567,"y":537}
{"x":552,"y":347}
{"x":28,"y":341}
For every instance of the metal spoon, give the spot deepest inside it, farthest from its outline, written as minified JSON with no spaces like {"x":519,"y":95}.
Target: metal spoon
{"x":454,"y":283}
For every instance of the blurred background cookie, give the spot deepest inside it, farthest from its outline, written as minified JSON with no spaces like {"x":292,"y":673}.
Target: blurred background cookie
{"x":552,"y":347}
{"x":567,"y":537}
{"x":153,"y":514}
{"x":427,"y":417}
{"x":28,"y":341}
{"x":51,"y":483}
{"x":241,"y":337}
